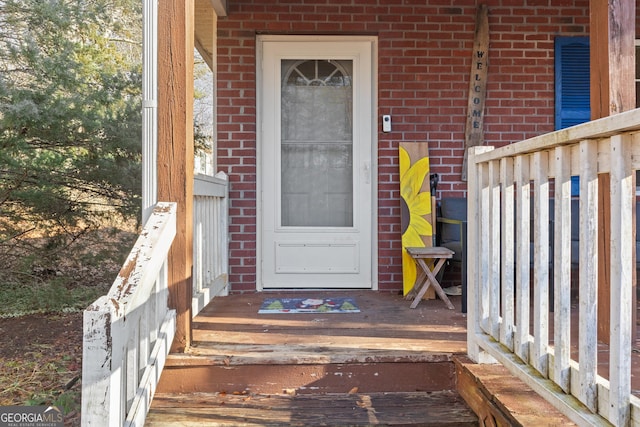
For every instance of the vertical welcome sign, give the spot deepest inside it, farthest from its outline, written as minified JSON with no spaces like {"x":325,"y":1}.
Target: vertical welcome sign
{"x":473,"y":134}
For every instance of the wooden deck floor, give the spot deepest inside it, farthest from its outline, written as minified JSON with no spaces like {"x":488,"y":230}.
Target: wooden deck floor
{"x":230,"y":333}
{"x":385,"y":322}
{"x":230,"y":327}
{"x":386,"y":365}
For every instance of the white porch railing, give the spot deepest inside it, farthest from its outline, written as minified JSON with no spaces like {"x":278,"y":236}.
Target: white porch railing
{"x":210,"y":239}
{"x":509,"y":315}
{"x":128,"y":332}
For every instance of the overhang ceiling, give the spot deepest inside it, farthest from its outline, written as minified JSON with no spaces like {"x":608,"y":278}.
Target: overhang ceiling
{"x":205,"y":19}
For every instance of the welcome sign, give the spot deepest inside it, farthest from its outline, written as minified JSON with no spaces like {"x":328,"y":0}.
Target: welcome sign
{"x":477,"y":85}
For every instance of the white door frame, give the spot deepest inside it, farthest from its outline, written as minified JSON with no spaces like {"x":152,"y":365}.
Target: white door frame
{"x":373,"y":40}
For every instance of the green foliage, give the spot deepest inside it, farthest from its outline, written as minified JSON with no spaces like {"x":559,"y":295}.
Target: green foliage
{"x":64,"y":281}
{"x":203,"y":107}
{"x":46,"y":297}
{"x":66,"y":401}
{"x":70,"y":126}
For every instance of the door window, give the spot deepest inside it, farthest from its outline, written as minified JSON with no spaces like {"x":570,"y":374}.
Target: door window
{"x":317,"y":143}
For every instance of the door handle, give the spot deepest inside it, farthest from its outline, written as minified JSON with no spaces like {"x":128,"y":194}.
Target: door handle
{"x":367,"y":172}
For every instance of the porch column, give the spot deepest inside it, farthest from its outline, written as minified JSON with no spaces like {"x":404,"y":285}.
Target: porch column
{"x":175,"y":150}
{"x":612,"y":34}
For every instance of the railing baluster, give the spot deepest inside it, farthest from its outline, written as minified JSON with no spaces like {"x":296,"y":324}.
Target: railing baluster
{"x":539,"y":359}
{"x":562,"y":269}
{"x":523,"y":225}
{"x":210,"y":216}
{"x":588,"y":328}
{"x":474,"y":269}
{"x":508,"y":257}
{"x":131,"y":354}
{"x":222,"y":237}
{"x":484,"y":221}
{"x":622,"y":266}
{"x":215,"y":263}
{"x":162,"y":298}
{"x":118,"y":365}
{"x":493,"y":222}
{"x":144,"y":347}
{"x":198,"y":242}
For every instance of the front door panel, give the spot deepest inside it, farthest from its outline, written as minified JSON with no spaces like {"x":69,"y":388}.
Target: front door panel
{"x":316,"y":148}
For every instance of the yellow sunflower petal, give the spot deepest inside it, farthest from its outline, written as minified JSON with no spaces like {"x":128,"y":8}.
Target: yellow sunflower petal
{"x":415,"y":176}
{"x":411,"y":238}
{"x":405,"y":162}
{"x":406,"y":186}
{"x":409,"y":272}
{"x":421,"y":204}
{"x":421,"y":226}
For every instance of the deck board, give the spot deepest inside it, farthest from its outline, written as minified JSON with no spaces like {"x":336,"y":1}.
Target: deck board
{"x":235,"y":354}
{"x":444,"y":408}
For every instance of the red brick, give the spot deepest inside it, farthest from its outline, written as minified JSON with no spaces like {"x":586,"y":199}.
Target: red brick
{"x":424,"y":59}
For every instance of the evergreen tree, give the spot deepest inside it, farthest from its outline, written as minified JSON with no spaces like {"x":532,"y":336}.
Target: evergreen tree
{"x":70,"y":102}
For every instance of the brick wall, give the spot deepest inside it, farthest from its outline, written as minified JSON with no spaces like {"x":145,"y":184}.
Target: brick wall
{"x":423,"y":71}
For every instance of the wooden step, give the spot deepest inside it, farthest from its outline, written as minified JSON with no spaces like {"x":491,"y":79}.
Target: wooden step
{"x":387,"y":365}
{"x":443,"y":408}
{"x":500,"y":399}
{"x":306,"y":369}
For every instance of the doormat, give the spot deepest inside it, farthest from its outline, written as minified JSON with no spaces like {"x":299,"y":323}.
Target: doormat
{"x":308,"y":305}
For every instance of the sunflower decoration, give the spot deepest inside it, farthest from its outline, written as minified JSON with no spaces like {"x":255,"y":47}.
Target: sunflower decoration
{"x":416,"y":207}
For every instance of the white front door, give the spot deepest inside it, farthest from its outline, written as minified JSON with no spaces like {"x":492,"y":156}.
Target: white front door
{"x":315,"y":151}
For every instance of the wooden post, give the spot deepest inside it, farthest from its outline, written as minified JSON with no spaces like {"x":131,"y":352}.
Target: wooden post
{"x":175,"y":150}
{"x":612,"y":33}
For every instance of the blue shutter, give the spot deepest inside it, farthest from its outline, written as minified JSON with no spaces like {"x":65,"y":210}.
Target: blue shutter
{"x":572,"y":81}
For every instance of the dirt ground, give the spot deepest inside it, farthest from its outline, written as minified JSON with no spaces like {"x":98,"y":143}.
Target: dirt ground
{"x":41,"y":362}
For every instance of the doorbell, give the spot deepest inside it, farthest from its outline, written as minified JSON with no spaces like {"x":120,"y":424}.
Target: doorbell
{"x":386,"y":123}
